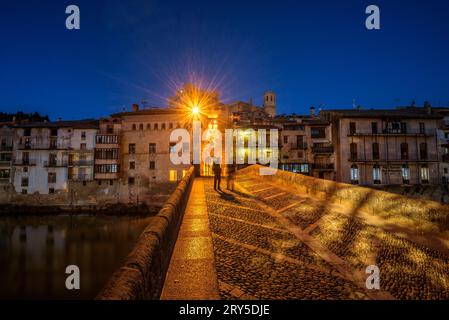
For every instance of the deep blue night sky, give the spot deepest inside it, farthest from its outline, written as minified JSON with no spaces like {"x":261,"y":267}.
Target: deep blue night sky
{"x":309,"y":52}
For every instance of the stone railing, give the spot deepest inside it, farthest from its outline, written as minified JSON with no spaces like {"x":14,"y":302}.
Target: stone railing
{"x":361,"y":198}
{"x":143,"y":273}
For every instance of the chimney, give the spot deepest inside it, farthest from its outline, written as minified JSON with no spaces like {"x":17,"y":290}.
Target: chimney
{"x":135,"y":107}
{"x":312,"y":111}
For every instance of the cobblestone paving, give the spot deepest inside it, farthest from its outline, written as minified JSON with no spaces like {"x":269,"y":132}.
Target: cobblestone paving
{"x":409,"y":270}
{"x":265,"y":278}
{"x":257,"y":257}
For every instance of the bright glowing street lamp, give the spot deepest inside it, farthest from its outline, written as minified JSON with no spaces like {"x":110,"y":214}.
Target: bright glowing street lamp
{"x":195,"y":110}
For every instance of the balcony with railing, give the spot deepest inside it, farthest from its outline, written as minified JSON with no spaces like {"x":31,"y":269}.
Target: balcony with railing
{"x":398,"y":159}
{"x":5,"y":163}
{"x":393,"y":132}
{"x":108,"y":139}
{"x":81,"y":163}
{"x":56,"y":164}
{"x":43,"y":146}
{"x":25,"y":162}
{"x":319,"y":148}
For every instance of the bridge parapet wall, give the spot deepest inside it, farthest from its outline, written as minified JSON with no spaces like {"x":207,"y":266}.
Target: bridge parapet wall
{"x":143,"y":273}
{"x":367,"y":199}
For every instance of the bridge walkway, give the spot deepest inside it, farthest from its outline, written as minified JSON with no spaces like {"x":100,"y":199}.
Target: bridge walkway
{"x":264,"y":241}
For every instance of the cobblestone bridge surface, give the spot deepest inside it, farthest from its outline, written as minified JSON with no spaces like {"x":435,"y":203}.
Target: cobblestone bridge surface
{"x":270,"y":243}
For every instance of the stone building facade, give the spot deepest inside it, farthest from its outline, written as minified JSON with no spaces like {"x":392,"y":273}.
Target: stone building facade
{"x":126,"y":156}
{"x":81,"y":157}
{"x":386,"y":147}
{"x":6,"y":154}
{"x":145,"y":150}
{"x":42,"y":153}
{"x":306,"y":146}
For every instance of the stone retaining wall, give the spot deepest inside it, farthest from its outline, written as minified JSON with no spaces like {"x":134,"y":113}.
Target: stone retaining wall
{"x":142,"y":275}
{"x":371,"y":200}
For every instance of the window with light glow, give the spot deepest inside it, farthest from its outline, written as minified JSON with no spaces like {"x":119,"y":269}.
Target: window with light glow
{"x":173,"y":175}
{"x":424,"y":174}
{"x":377,"y":175}
{"x":354,"y":174}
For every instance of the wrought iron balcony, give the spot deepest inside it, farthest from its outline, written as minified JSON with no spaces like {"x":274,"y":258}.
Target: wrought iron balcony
{"x":323,"y":148}
{"x":56,"y":164}
{"x":5,"y":163}
{"x":25,"y":162}
{"x":108,"y":138}
{"x":391,"y":132}
{"x":81,"y":163}
{"x":43,"y":146}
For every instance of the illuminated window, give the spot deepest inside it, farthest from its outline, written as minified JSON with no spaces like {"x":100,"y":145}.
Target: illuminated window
{"x":318,"y":132}
{"x":173,"y":175}
{"x":377,"y":175}
{"x":184,"y":172}
{"x":405,"y":174}
{"x":424,"y":174}
{"x":172,"y":147}
{"x":304,"y":168}
{"x":354,"y":174}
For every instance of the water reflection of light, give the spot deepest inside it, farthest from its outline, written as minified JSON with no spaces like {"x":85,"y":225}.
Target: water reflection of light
{"x":37,"y":250}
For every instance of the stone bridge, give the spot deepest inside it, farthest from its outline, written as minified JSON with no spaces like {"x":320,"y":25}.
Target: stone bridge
{"x":287,"y":236}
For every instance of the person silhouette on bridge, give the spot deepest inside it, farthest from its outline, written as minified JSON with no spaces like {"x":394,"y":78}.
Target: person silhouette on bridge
{"x":231,"y":173}
{"x":217,"y":174}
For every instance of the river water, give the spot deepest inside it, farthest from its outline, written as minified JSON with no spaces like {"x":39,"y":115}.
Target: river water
{"x":35,"y":251}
